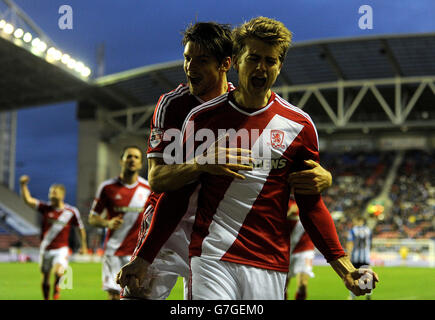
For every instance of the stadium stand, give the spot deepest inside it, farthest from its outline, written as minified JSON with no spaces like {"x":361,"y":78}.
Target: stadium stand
{"x":359,"y":178}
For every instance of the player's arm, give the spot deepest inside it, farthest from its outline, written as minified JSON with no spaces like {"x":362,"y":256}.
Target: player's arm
{"x":84,"y":245}
{"x":319,"y":225}
{"x":97,"y":216}
{"x":25,"y":193}
{"x":99,"y":221}
{"x":168,"y":177}
{"x":310,"y":181}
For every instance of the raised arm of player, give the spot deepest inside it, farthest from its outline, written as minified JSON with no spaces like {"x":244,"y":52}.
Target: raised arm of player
{"x":25,"y":193}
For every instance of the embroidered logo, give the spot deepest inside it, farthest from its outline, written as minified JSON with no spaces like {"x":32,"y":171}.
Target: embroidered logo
{"x":277,"y":139}
{"x":156,"y":137}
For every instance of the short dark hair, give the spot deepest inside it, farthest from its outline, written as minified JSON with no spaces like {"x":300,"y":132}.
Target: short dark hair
{"x":213,"y":37}
{"x":131,"y":147}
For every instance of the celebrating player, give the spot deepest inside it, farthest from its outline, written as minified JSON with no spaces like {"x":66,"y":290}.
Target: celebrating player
{"x":240,"y":224}
{"x":301,"y":253}
{"x":123,"y":199}
{"x":207,"y":58}
{"x":358,"y":245}
{"x":57,"y":220}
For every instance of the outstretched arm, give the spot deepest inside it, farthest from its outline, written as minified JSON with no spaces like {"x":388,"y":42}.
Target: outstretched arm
{"x":25,"y":193}
{"x":320,"y":227}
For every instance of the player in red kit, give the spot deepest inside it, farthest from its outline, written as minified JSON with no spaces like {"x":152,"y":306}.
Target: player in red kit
{"x":239,"y":246}
{"x":207,"y":59}
{"x":301,"y":253}
{"x":123,"y":199}
{"x":57,"y":220}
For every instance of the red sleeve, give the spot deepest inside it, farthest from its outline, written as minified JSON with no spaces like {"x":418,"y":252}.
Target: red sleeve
{"x":165,"y":220}
{"x":319,"y":225}
{"x":164,"y":119}
{"x":100,"y":202}
{"x":314,"y":215}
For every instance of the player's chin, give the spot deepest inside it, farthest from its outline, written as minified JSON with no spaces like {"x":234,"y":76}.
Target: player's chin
{"x":196,"y":89}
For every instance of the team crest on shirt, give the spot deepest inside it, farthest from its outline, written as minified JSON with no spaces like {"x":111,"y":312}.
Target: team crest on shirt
{"x":156,"y":137}
{"x":277,"y":139}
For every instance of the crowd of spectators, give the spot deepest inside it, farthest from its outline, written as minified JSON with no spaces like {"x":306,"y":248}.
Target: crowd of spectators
{"x":360,"y":176}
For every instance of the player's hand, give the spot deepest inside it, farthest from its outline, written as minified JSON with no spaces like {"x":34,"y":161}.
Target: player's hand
{"x":24,"y":179}
{"x":361,"y":281}
{"x":310,"y":181}
{"x":132,"y":275}
{"x":115,"y":223}
{"x":83,"y":250}
{"x":219,"y":160}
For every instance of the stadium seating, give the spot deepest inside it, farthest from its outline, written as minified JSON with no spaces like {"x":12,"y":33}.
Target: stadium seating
{"x":360,"y":176}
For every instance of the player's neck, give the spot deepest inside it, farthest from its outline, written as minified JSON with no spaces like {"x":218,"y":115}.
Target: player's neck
{"x":219,"y":90}
{"x":129,"y":177}
{"x":58,"y":204}
{"x":247,"y":100}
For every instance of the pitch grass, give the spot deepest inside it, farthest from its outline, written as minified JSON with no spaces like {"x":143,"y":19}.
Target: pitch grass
{"x":20,"y":281}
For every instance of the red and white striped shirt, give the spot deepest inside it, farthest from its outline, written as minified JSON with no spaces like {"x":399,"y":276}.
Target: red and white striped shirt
{"x":56,"y":224}
{"x":126,"y":201}
{"x":244,"y":221}
{"x":170,"y":112}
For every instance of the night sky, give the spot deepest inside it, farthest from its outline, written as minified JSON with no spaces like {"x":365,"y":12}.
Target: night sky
{"x":139,"y":33}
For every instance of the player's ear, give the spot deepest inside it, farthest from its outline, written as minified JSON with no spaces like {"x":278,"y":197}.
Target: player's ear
{"x":225,"y":65}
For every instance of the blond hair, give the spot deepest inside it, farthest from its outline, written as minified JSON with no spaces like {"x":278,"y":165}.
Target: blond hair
{"x":59,"y":186}
{"x":265,"y":29}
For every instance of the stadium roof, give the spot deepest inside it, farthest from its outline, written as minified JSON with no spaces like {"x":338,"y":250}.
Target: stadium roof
{"x":329,"y":60}
{"x":28,"y":80}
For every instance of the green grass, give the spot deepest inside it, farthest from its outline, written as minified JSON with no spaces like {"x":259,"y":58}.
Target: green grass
{"x":22,"y":282}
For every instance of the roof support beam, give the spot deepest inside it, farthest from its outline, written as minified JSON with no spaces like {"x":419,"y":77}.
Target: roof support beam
{"x":391,"y":58}
{"x":331,"y":60}
{"x":347,"y":105}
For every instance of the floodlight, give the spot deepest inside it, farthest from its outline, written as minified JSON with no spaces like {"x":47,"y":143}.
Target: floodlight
{"x":18,"y":33}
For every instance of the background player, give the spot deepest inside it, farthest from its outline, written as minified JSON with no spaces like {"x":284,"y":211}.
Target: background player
{"x":301,"y":253}
{"x":207,"y":54}
{"x":358,"y":244}
{"x":57,"y":220}
{"x":122,"y":199}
